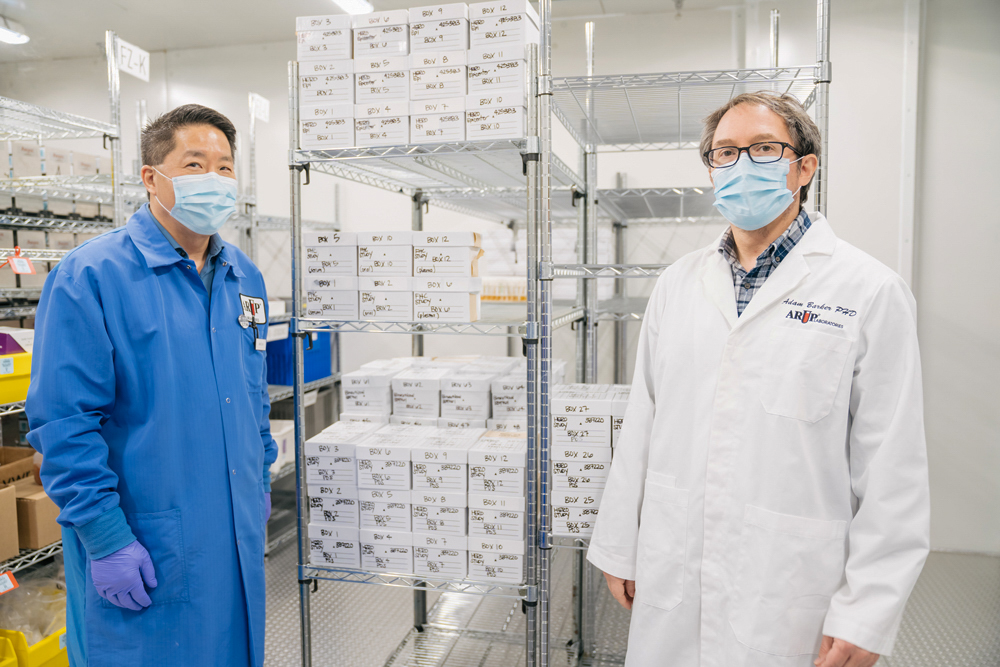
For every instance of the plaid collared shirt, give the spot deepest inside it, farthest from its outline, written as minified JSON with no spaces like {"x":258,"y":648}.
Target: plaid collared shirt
{"x":747,"y":283}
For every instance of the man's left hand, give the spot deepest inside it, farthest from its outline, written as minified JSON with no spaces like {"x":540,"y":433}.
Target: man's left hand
{"x":838,"y":653}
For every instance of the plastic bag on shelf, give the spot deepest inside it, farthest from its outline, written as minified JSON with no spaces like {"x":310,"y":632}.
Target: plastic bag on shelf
{"x":37,"y":607}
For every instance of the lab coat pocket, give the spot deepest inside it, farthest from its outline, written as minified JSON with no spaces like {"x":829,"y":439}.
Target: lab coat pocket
{"x":659,"y":579}
{"x":253,"y":362}
{"x":803,"y":373}
{"x":789,"y":567}
{"x":163,"y":537}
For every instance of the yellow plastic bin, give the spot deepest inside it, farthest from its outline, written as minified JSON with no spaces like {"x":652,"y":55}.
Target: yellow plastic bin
{"x":7,"y":656}
{"x":15,"y":375}
{"x":50,"y":652}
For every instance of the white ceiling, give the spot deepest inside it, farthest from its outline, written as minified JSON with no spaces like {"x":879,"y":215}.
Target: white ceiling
{"x":75,"y":28}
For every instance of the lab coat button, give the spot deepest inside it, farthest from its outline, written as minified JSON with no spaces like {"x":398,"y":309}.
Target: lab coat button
{"x":213,"y":329}
{"x":227,"y":400}
{"x":234,"y":471}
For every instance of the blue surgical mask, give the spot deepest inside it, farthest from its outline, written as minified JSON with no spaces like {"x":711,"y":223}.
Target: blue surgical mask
{"x":752,"y":195}
{"x":202,"y":202}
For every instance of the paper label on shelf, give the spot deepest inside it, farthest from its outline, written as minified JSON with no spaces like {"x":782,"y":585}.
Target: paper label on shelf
{"x":133,"y":60}
{"x":21,"y":265}
{"x":320,"y":67}
{"x":7,"y":582}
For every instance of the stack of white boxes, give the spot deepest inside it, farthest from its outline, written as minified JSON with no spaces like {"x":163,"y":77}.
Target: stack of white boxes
{"x":331,"y":281}
{"x":384,"y":483}
{"x":498,"y":68}
{"x":333,"y":494}
{"x":326,"y":81}
{"x":497,"y":467}
{"x":440,"y":502}
{"x":370,"y":276}
{"x":432,"y":74}
{"x":439,"y":43}
{"x":580,"y":455}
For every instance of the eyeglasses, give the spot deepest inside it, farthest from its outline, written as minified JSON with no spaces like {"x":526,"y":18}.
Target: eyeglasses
{"x":761,"y":153}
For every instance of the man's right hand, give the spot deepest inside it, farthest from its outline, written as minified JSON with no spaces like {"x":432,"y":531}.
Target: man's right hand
{"x":622,"y":589}
{"x":118,"y":577}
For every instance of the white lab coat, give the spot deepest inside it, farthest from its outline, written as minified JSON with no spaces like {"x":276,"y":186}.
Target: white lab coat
{"x":770,"y":482}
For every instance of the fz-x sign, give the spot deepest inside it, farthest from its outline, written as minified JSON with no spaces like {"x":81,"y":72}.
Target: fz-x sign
{"x":133,"y":60}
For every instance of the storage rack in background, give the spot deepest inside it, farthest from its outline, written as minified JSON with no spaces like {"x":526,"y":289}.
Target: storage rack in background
{"x":514,"y":180}
{"x":21,"y":121}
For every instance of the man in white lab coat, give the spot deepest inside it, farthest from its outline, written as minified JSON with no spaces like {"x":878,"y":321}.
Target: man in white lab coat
{"x":768,"y":501}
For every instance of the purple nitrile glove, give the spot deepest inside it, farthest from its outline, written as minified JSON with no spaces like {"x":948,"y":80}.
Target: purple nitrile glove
{"x":267,"y":504}
{"x":118,"y":577}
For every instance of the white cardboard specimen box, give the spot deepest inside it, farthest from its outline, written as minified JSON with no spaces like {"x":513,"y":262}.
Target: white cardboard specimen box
{"x":439,"y":35}
{"x":381,"y":79}
{"x":386,"y":551}
{"x":377,"y":41}
{"x":323,"y":44}
{"x":385,"y":509}
{"x":336,"y":546}
{"x":383,"y":459}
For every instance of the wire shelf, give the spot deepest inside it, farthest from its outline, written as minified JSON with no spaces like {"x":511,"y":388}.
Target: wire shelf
{"x":40,"y":223}
{"x":619,"y":309}
{"x":499,"y":319}
{"x":95,"y":189}
{"x":675,"y":205}
{"x":29,"y":293}
{"x":279,"y":392}
{"x":11,"y":408}
{"x":432,"y":167}
{"x":40,"y":254}
{"x":28,"y":557}
{"x":662,"y":111}
{"x":16,"y":312}
{"x":504,"y":204}
{"x":551,"y":271}
{"x":416,"y":581}
{"x":21,"y":120}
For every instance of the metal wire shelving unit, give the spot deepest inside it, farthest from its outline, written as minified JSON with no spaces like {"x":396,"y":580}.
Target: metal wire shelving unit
{"x":514,"y":180}
{"x":494,"y":180}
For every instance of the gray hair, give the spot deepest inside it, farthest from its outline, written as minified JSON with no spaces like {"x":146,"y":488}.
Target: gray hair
{"x":801,"y":128}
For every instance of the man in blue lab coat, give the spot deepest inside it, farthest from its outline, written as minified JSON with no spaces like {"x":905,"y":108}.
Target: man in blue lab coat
{"x":149,"y":403}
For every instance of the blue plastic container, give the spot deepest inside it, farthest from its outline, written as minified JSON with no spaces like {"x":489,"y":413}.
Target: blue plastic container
{"x":317,"y":360}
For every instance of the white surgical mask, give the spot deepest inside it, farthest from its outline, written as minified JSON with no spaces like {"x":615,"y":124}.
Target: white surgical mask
{"x":202,"y":202}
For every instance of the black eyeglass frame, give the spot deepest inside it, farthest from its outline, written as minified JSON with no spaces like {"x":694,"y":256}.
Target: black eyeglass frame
{"x":740,"y":150}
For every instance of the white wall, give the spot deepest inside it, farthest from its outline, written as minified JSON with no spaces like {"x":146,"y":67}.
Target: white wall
{"x":957,"y":287}
{"x":955,"y":220}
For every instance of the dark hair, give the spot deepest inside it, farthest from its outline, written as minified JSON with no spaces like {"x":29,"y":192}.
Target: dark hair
{"x":803,"y":131}
{"x":158,"y":136}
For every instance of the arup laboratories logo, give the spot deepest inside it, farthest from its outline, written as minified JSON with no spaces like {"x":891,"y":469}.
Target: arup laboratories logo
{"x":802,"y":315}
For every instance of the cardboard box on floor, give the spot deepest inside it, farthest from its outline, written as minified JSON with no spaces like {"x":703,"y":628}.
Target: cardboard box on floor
{"x":8,"y":523}
{"x":36,"y":516}
{"x":15,"y":464}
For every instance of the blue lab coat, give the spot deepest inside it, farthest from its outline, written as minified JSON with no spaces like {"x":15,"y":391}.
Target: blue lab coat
{"x":150,"y":407}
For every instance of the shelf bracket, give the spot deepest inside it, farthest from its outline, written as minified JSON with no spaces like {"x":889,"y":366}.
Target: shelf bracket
{"x":577,"y":194}
{"x":824,"y":72}
{"x":300,"y":168}
{"x":532,"y":153}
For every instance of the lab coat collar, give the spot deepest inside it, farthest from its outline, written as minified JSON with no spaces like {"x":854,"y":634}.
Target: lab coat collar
{"x":717,"y":277}
{"x":158,"y":251}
